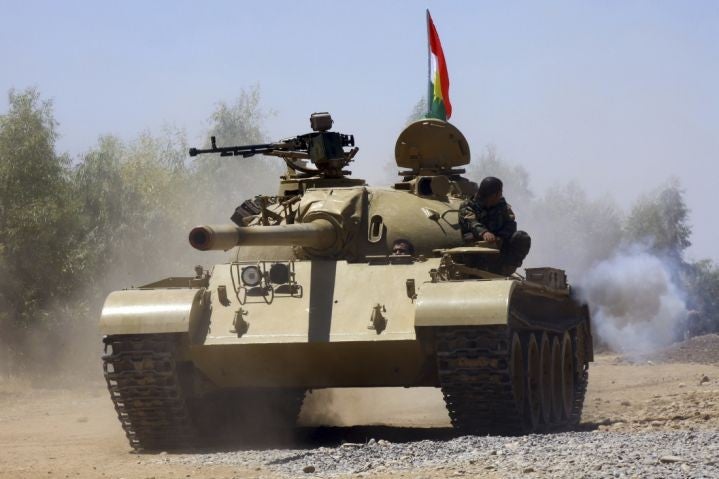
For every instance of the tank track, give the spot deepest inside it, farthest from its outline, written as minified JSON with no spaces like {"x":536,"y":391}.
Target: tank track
{"x":145,"y":387}
{"x":474,"y":376}
{"x":581,"y":381}
{"x":148,"y":388}
{"x":580,"y":392}
{"x":473,"y":365}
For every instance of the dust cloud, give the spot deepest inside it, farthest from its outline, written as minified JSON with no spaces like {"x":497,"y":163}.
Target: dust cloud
{"x":414,"y":407}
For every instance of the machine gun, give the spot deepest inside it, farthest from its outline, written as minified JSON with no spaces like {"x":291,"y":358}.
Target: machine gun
{"x":324,"y":148}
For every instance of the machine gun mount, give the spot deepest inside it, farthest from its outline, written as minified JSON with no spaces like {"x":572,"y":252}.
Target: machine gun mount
{"x":324,"y":148}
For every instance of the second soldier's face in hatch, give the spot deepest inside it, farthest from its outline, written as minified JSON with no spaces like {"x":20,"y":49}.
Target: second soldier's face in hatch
{"x":401,"y":248}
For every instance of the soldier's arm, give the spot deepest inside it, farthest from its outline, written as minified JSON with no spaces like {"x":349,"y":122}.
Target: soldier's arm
{"x":472,"y":224}
{"x":467,"y":217}
{"x":509,"y":226}
{"x":479,"y":229}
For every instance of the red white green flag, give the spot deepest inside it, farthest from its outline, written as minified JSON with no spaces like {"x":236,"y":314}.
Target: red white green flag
{"x":438,"y":102}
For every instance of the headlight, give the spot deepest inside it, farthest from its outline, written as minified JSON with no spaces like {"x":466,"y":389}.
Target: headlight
{"x":251,"y":276}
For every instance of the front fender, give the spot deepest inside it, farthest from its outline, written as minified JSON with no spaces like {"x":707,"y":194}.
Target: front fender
{"x":464,"y":303}
{"x":149,"y":311}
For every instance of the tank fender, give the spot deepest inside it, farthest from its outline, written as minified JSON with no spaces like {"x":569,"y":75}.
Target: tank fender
{"x":463,"y":303}
{"x":148,"y":311}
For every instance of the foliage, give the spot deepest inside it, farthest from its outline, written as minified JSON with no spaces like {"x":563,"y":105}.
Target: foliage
{"x":71,"y":233}
{"x":241,"y":122}
{"x":133,"y":200}
{"x":218,"y":180}
{"x":702,"y":283}
{"x":38,"y":224}
{"x":142,"y":197}
{"x":661,"y":220}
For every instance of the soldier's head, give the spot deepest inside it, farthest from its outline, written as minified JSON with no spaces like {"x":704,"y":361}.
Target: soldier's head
{"x":402,"y":246}
{"x":490,"y":191}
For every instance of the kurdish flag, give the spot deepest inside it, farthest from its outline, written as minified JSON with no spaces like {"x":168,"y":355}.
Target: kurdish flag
{"x":438,"y":100}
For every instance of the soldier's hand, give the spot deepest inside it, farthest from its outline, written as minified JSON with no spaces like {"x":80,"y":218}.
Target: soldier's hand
{"x":488,"y":236}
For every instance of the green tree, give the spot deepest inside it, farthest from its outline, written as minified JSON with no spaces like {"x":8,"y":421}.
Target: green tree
{"x":241,"y":122}
{"x":661,"y":219}
{"x":221,"y":183}
{"x":99,"y":188}
{"x":135,"y":203}
{"x":701,"y":280}
{"x":38,"y":225}
{"x":140,"y":198}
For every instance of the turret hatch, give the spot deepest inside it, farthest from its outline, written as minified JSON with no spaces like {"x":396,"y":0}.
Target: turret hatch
{"x":431,"y":146}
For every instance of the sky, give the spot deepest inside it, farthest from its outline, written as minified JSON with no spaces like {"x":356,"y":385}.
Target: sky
{"x":617,"y":96}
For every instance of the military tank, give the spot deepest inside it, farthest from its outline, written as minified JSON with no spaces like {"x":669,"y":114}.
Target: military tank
{"x":312,"y":296}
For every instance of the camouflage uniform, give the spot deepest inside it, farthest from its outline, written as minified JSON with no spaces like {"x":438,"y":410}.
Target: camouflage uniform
{"x":477,"y":219}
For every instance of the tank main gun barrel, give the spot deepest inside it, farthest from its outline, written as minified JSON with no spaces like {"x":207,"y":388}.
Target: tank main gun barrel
{"x":318,"y":234}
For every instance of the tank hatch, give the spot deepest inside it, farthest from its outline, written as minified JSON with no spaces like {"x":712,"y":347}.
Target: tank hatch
{"x":430,"y":147}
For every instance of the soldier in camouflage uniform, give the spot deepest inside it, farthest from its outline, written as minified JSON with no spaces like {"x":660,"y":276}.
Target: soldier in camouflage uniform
{"x":488,"y":217}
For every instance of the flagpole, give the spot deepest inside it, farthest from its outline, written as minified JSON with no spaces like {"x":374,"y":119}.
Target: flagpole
{"x":429,"y":67}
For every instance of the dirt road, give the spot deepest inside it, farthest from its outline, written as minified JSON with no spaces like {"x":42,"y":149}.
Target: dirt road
{"x":75,"y":433}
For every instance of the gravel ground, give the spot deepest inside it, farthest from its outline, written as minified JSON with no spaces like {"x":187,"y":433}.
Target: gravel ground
{"x":641,"y":419}
{"x":575,"y":454}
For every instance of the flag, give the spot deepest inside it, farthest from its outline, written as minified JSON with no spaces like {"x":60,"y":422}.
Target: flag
{"x":438,"y":102}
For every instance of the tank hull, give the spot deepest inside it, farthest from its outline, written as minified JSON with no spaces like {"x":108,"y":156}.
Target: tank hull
{"x":338,"y":324}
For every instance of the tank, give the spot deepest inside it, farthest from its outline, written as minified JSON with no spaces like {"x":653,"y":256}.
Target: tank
{"x":312,"y":296}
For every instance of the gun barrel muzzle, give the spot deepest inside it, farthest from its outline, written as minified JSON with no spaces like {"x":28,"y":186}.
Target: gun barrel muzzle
{"x":318,"y":234}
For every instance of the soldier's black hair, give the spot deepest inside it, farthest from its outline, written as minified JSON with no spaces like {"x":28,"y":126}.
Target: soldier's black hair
{"x":488,"y":187}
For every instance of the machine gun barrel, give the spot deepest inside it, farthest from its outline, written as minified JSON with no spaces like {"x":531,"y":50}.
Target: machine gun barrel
{"x":318,"y":234}
{"x":242,"y":150}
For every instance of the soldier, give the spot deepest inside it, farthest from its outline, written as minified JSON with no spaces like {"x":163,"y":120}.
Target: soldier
{"x":402,"y":247}
{"x":488,"y":217}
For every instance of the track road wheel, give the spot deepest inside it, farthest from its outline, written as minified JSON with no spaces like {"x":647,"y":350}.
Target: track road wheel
{"x":534,"y":382}
{"x":545,"y":381}
{"x":567,"y":375}
{"x":557,"y":407}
